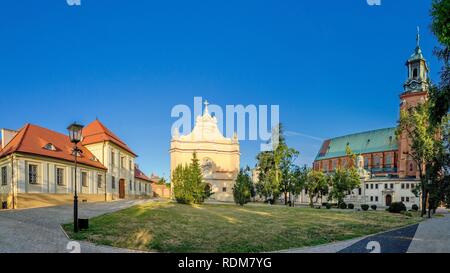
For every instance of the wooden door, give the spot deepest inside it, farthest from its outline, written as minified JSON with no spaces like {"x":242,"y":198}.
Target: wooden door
{"x":122,"y":189}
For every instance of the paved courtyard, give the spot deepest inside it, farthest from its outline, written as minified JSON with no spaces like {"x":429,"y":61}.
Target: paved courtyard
{"x":39,"y":230}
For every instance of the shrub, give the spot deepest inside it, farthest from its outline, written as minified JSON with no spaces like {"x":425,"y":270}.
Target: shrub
{"x":342,"y":205}
{"x":328,"y":206}
{"x":415,"y":207}
{"x":325,"y":204}
{"x":397,"y":207}
{"x":365,"y":207}
{"x":351,"y":206}
{"x":374,"y":207}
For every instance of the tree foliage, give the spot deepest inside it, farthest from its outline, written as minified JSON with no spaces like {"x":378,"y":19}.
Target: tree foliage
{"x":343,"y":181}
{"x":316,"y":186}
{"x":243,"y":190}
{"x":188,"y":184}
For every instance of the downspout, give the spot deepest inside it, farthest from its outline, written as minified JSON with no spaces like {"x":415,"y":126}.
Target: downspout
{"x":12,"y":183}
{"x":103,"y":162}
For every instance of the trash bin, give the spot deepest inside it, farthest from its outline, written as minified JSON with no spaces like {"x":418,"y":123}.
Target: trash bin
{"x":83,"y":224}
{"x":4,"y":205}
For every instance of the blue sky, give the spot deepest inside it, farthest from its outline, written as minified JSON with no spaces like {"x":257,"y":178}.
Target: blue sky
{"x":334,"y":67}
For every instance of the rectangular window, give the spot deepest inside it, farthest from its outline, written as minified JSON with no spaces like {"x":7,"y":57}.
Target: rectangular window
{"x":131,"y":186}
{"x":134,"y":185}
{"x":412,"y":186}
{"x":371,"y":199}
{"x":60,"y":176}
{"x":359,"y":191}
{"x":113,"y":158}
{"x":371,"y":186}
{"x":224,"y":189}
{"x":145,"y":187}
{"x":403,"y":199}
{"x":113,"y":182}
{"x":388,"y":160}
{"x":392,"y":186}
{"x":84,"y":179}
{"x":99,"y":180}
{"x":407,"y":186}
{"x":4,"y":176}
{"x":376,"y":186}
{"x":130,"y":163}
{"x":122,"y":162}
{"x":376,"y":198}
{"x":32,"y":174}
{"x":140,"y":187}
{"x":403,"y":186}
{"x":385,"y":186}
{"x":366,"y":163}
{"x":407,"y":199}
{"x":367,"y":186}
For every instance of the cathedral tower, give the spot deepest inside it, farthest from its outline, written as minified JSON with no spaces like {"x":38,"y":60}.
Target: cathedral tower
{"x":415,"y":92}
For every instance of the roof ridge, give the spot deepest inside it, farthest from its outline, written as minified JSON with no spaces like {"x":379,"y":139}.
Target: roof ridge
{"x":363,"y":132}
{"x":26,"y":127}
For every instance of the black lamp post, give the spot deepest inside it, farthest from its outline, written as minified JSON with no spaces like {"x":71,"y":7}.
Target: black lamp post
{"x":75,"y":134}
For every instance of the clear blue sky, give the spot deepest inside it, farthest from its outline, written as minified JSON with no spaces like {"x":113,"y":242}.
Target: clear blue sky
{"x":334,"y":67}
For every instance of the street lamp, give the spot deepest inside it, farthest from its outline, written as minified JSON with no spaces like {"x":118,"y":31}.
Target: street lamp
{"x":75,"y":135}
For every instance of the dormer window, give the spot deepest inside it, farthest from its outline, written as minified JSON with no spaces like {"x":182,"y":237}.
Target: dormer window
{"x":50,"y":147}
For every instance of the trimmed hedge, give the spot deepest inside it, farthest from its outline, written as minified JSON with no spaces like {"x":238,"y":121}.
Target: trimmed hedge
{"x":343,"y":205}
{"x":397,"y":207}
{"x":351,"y":206}
{"x":374,"y":207}
{"x":328,"y":206}
{"x":415,"y":207}
{"x":365,"y":207}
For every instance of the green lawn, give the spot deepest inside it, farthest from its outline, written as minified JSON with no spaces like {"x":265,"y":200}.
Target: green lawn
{"x":170,"y":227}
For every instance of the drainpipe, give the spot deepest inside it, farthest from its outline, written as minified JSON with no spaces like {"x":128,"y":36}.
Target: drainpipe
{"x":12,"y":183}
{"x":106,"y":173}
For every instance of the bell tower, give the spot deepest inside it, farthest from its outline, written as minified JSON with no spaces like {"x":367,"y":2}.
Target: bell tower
{"x":415,"y":91}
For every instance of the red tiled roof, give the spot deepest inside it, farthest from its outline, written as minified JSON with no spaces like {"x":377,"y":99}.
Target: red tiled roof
{"x":140,"y":174}
{"x":96,"y":132}
{"x":32,"y":139}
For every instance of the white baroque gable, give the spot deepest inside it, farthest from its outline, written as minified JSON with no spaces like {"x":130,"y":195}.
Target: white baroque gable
{"x":205,"y":129}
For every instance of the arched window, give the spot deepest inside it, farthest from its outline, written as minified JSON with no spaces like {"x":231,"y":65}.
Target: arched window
{"x":50,"y":147}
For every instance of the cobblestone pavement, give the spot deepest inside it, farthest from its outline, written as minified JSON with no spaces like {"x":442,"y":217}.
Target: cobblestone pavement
{"x":39,"y":230}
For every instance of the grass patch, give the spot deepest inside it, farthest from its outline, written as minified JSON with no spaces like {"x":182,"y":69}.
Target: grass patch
{"x":171,"y":227}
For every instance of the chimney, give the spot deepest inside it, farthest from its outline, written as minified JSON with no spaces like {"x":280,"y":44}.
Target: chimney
{"x":7,"y":136}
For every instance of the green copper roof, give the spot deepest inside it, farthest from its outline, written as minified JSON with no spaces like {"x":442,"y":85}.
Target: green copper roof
{"x":366,"y":142}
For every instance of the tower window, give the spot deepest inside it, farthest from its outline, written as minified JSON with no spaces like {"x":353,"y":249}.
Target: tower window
{"x":415,"y":73}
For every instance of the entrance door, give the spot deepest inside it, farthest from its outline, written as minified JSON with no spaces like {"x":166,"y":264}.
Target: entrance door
{"x":388,"y":200}
{"x":122,"y":189}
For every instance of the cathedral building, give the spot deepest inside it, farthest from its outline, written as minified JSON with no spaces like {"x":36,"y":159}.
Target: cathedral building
{"x":37,"y":167}
{"x":388,"y":172}
{"x":219,"y":156}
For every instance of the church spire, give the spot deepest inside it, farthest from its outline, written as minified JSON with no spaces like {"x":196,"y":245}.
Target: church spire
{"x":418,"y":37}
{"x":417,"y":69}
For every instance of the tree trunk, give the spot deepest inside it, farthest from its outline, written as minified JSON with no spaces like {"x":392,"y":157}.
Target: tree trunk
{"x":424,"y":202}
{"x":285,"y":198}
